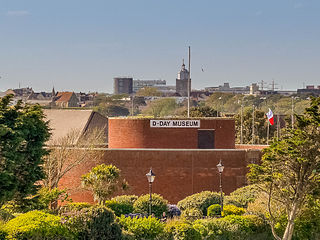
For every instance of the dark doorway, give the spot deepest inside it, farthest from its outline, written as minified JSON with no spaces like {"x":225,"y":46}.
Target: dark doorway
{"x":206,"y":138}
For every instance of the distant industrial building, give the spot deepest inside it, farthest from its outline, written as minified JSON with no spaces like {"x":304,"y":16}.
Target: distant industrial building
{"x":311,"y":89}
{"x":123,"y":85}
{"x":138,"y":84}
{"x":182,"y":81}
{"x":253,"y":89}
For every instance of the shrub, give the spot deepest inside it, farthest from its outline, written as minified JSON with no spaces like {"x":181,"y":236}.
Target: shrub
{"x":5,"y":215}
{"x":192,"y":214}
{"x":119,"y":208}
{"x":214,"y":210}
{"x":159,"y":205}
{"x":200,"y":201}
{"x":232,"y":210}
{"x":178,"y":229}
{"x":233,"y":227}
{"x":3,"y":232}
{"x":37,"y":225}
{"x":173,"y":211}
{"x":73,"y":207}
{"x":243,"y":196}
{"x":96,"y":222}
{"x":128,"y":199}
{"x":142,"y":228}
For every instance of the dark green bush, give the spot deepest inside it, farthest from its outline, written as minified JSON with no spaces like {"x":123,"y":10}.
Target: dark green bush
{"x":200,"y":201}
{"x":37,"y":225}
{"x":242,"y":196}
{"x":159,"y":205}
{"x":233,"y":227}
{"x":119,"y":208}
{"x":179,"y":229}
{"x":192,"y":214}
{"x":232,"y":210}
{"x":142,"y":228}
{"x":214,"y":210}
{"x":96,"y":222}
{"x":127,"y":199}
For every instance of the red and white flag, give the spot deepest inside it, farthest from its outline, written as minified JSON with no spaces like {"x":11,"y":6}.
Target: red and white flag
{"x":270,"y":116}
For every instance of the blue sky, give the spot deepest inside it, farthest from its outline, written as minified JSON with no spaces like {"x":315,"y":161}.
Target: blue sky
{"x":81,"y":45}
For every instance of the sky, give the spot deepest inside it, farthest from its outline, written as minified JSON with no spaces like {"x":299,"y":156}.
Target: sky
{"x":81,"y":45}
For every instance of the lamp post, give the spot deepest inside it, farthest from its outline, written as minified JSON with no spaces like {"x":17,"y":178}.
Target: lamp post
{"x":220,"y":170}
{"x":150,"y":176}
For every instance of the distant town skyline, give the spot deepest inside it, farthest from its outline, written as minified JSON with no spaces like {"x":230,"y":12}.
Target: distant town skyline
{"x":82,"y":45}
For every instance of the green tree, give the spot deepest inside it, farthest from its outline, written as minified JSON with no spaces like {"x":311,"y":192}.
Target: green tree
{"x":202,"y":111}
{"x":23,"y":133}
{"x":148,"y":92}
{"x":161,"y":107}
{"x":260,"y":127}
{"x":103,"y":180}
{"x":290,"y":168}
{"x":111,"y":110}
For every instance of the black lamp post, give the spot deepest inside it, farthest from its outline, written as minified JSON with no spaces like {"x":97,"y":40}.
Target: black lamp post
{"x":220,"y":169}
{"x":151,"y":176}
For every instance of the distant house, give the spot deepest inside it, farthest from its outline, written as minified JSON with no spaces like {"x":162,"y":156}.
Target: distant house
{"x":65,"y":100}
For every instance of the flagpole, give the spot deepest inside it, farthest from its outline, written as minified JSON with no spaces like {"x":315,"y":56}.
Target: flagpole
{"x":268,"y":132}
{"x":253,"y":125}
{"x":189,"y":83}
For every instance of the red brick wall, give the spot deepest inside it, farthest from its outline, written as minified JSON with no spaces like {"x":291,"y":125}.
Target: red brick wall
{"x":179,"y":173}
{"x":136,"y":133}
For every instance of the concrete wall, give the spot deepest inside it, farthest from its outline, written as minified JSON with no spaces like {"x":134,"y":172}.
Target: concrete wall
{"x":179,"y":173}
{"x":137,"y":133}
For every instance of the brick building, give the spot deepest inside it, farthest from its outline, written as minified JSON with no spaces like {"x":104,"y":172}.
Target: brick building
{"x":183,"y":153}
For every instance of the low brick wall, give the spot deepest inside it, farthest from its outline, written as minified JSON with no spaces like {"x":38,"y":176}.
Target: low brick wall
{"x":179,"y":173}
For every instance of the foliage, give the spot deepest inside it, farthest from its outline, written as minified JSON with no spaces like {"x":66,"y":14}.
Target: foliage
{"x":74,"y":207}
{"x":242,"y":196}
{"x":103,"y":180}
{"x":127,"y":199}
{"x":261,"y":126}
{"x":37,"y":225}
{"x":119,"y":208}
{"x":214,"y":210}
{"x":191,"y":214}
{"x":162,"y":107}
{"x":233,"y":227}
{"x":96,"y":222}
{"x":232,"y":210}
{"x":142,"y":228}
{"x":173,"y":211}
{"x":111,"y":110}
{"x":200,"y":201}
{"x":148,"y":92}
{"x":290,"y":168}
{"x":66,"y":154}
{"x":159,"y":205}
{"x":202,"y":111}
{"x":181,"y":230}
{"x":23,"y":133}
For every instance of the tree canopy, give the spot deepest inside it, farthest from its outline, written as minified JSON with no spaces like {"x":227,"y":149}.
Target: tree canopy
{"x":23,"y":133}
{"x":290,"y":168}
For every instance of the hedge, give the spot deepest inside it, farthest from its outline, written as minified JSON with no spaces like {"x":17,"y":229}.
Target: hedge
{"x":37,"y":225}
{"x":241,"y":197}
{"x":119,"y":208}
{"x":180,"y":230}
{"x":142,"y":228}
{"x":159,"y":205}
{"x":232,"y":210}
{"x":200,"y":201}
{"x":233,"y":227}
{"x":214,"y":210}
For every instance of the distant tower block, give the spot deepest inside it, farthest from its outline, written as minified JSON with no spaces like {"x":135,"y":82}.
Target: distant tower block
{"x":182,"y":81}
{"x":123,"y":85}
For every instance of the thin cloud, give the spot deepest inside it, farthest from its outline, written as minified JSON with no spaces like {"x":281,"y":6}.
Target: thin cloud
{"x":18,"y":13}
